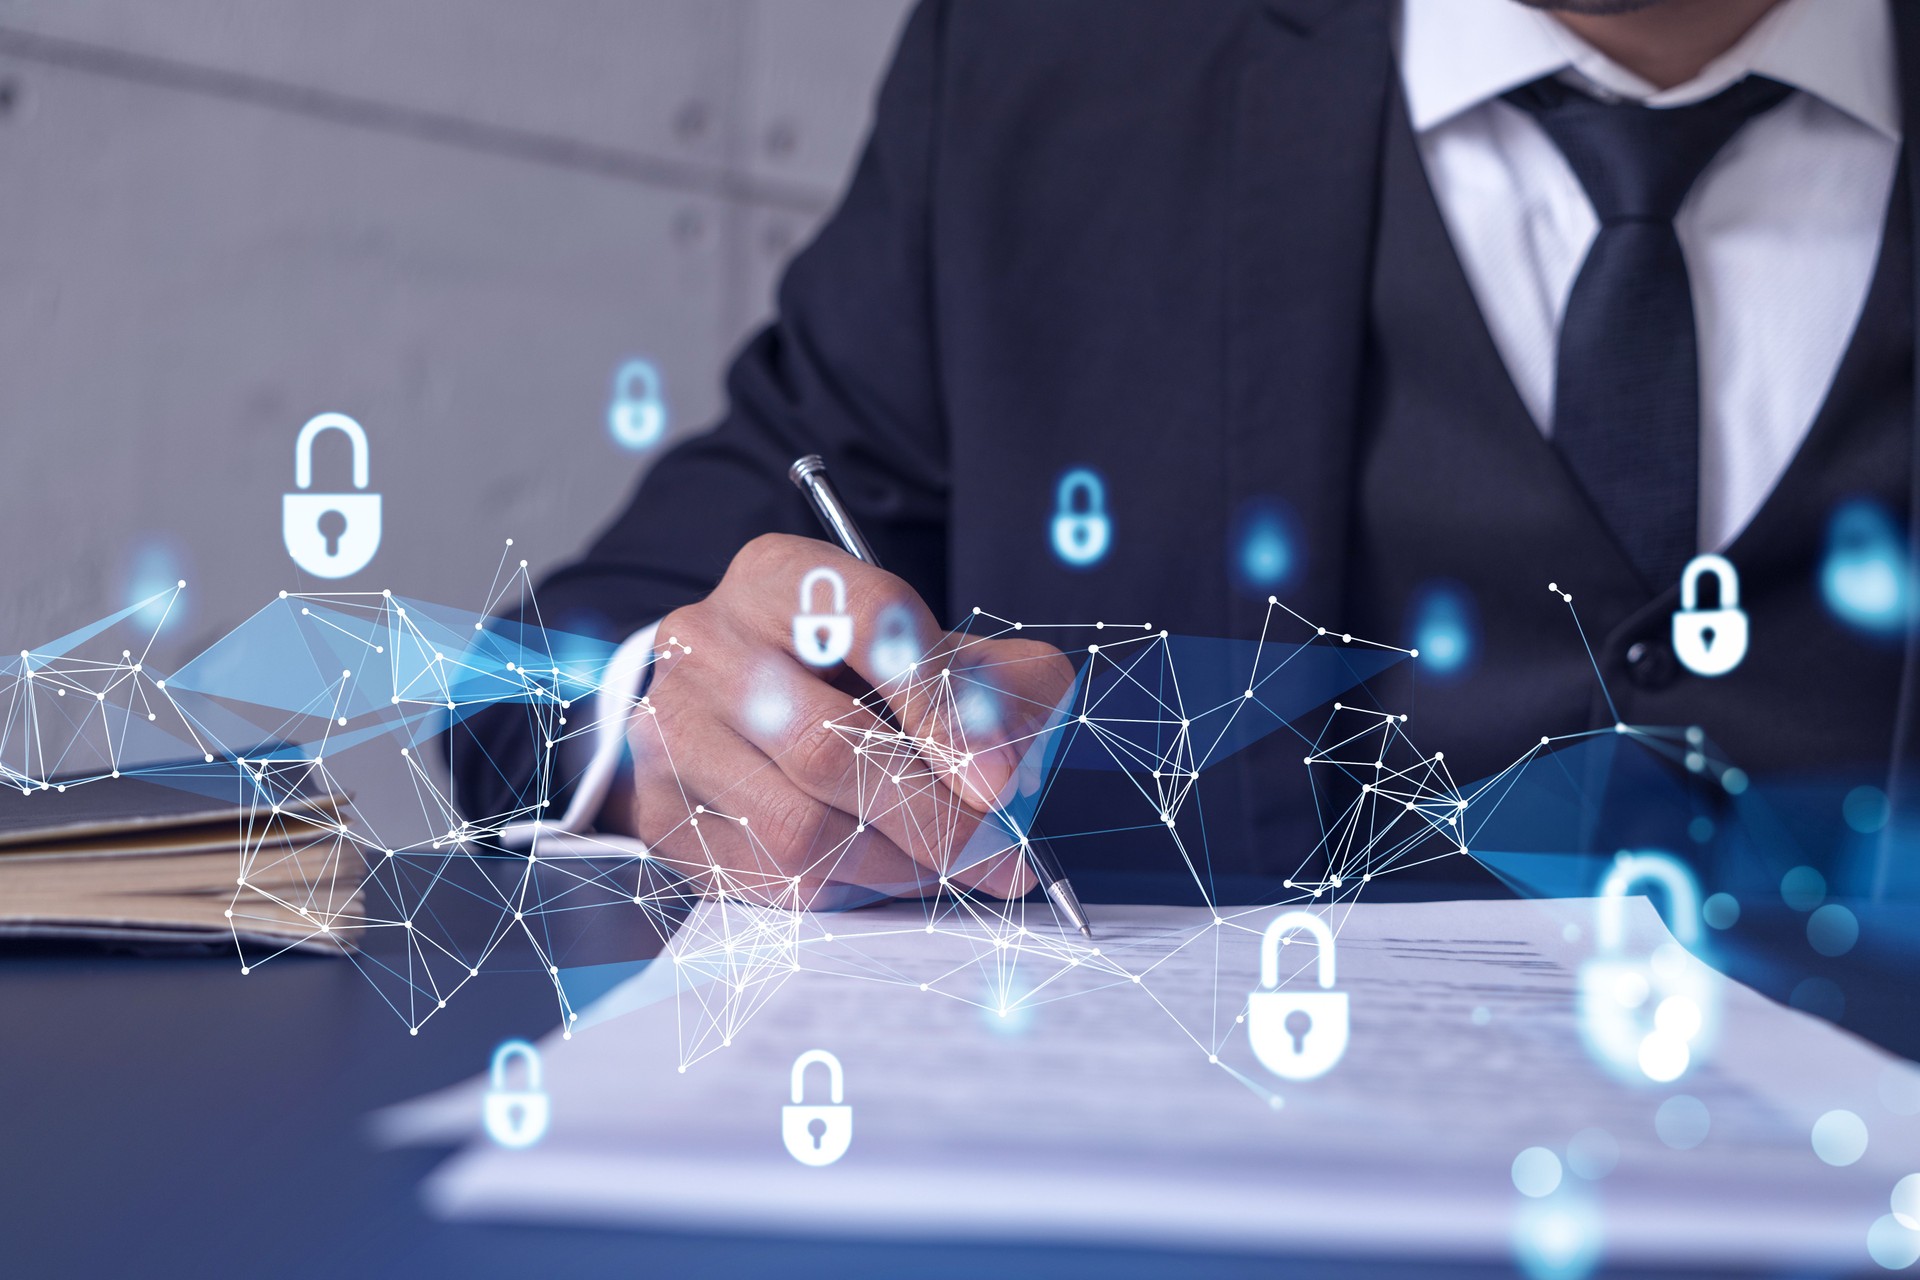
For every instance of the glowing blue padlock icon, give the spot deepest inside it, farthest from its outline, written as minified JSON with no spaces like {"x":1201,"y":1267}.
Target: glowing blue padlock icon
{"x":516,"y":1117}
{"x":1710,"y":641}
{"x":895,"y":648}
{"x":816,"y":1134}
{"x":1081,"y":529}
{"x":1297,"y":1034}
{"x":1647,"y":1018}
{"x":1866,"y":577}
{"x":637,"y":414}
{"x":822,"y":639}
{"x":330,"y":535}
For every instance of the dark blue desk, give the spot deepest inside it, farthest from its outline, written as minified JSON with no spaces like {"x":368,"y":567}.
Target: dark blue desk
{"x":170,"y":1117}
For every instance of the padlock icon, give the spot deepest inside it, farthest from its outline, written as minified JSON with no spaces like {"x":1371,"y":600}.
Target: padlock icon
{"x":330,"y":535}
{"x":1866,"y":577}
{"x":823,"y":639}
{"x":1647,"y":1018}
{"x":895,"y":649}
{"x":1297,"y":1034}
{"x":1710,"y":641}
{"x":817,"y":1135}
{"x":516,"y":1117}
{"x":637,"y":414}
{"x":1081,"y":530}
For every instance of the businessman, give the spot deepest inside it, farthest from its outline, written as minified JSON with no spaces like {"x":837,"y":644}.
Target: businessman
{"x":1457,"y":296}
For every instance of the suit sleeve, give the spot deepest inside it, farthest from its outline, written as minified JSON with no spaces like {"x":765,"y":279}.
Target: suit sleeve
{"x":847,"y":369}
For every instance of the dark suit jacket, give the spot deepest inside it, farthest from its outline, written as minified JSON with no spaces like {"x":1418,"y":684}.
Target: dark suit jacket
{"x":1130,"y":233}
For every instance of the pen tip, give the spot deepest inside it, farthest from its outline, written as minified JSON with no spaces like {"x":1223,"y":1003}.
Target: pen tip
{"x":1086,"y":932}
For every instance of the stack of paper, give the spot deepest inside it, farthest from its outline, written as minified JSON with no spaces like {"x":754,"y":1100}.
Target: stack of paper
{"x":167,"y":860}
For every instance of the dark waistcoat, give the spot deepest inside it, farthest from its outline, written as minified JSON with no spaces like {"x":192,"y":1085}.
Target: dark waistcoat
{"x":1464,"y":514}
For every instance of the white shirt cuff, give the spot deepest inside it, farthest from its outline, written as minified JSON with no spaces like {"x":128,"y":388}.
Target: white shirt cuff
{"x":614,"y":701}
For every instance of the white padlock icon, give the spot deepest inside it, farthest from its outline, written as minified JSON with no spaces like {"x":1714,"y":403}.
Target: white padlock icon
{"x":1710,"y":642}
{"x":1647,"y":1018}
{"x":516,"y":1117}
{"x":637,"y":414}
{"x":823,"y":639}
{"x":330,"y":535}
{"x":816,"y":1134}
{"x":1297,"y":1034}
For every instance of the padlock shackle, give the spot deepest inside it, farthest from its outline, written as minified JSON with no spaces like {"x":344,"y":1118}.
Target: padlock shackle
{"x":835,"y":583}
{"x":641,"y":371}
{"x":303,"y":448}
{"x":1722,"y":569}
{"x":1284,"y":924}
{"x":1630,"y":871}
{"x":508,"y":1050}
{"x":1080,"y":480}
{"x":836,"y":1082}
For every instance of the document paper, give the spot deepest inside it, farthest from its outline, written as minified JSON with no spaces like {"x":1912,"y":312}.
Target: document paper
{"x":1105,"y":1109}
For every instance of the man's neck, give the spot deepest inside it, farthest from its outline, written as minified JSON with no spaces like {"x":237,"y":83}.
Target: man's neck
{"x":1670,"y":42}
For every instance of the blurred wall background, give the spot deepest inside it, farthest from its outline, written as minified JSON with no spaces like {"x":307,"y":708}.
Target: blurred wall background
{"x":451,"y":219}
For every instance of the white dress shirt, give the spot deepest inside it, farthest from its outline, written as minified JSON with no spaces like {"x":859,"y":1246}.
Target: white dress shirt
{"x":1781,"y":232}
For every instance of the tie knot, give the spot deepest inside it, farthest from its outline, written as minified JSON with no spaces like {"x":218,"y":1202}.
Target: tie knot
{"x":1637,"y":163}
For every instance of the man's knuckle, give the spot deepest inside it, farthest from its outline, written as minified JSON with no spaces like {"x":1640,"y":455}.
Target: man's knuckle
{"x":788,"y":823}
{"x":818,"y":756}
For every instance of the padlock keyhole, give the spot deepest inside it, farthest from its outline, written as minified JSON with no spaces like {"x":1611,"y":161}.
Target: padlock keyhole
{"x":1298,"y":1023}
{"x":332,"y":527}
{"x":818,"y":1128}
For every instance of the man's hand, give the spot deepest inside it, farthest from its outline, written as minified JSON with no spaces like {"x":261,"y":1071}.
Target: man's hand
{"x":769,"y":780}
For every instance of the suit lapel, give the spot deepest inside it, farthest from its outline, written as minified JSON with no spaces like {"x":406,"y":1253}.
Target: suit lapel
{"x":1305,"y":180}
{"x":1309,"y":123}
{"x":1898,"y":870}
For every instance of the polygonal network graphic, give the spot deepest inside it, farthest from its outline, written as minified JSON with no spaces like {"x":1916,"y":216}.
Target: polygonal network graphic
{"x":316,"y":692}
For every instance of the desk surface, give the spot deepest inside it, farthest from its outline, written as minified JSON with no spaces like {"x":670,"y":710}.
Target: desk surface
{"x":172,"y":1117}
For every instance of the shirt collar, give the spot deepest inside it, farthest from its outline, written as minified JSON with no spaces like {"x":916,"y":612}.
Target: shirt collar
{"x":1456,"y":55}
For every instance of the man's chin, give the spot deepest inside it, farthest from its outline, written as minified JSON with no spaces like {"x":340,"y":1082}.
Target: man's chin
{"x":1595,"y":7}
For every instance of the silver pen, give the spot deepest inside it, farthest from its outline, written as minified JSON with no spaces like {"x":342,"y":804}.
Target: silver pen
{"x":809,"y":475}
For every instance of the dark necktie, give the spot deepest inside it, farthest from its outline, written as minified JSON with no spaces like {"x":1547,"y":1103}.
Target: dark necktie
{"x":1627,"y":383}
